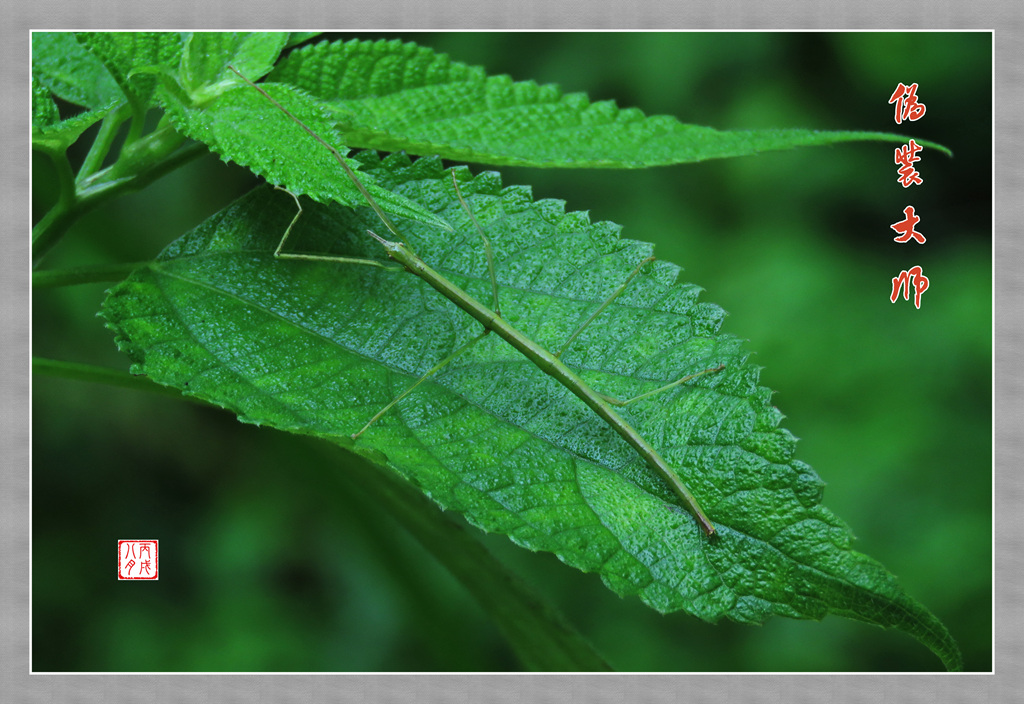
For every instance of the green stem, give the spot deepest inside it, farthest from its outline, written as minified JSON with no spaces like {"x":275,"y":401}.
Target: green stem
{"x":59,"y":217}
{"x":101,"y":145}
{"x":48,"y":231}
{"x":137,"y":124}
{"x":65,"y":179}
{"x":101,"y":187}
{"x":99,"y":375}
{"x":101,"y":273}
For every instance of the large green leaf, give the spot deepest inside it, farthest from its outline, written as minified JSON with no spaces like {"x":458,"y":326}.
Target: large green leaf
{"x":397,"y":96}
{"x":317,"y":348}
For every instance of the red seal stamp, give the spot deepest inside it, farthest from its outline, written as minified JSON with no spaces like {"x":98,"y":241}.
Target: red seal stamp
{"x":138,"y":559}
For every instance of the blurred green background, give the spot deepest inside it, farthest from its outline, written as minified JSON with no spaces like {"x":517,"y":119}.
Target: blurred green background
{"x":271,"y":558}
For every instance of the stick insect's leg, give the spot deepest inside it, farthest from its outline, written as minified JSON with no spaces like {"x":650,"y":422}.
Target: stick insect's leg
{"x":615,"y":294}
{"x":600,"y":309}
{"x":666,"y":387}
{"x":436,"y":368}
{"x":279,"y":253}
{"x":487,"y":244}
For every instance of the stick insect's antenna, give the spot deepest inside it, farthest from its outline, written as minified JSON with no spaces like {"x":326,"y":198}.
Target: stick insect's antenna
{"x":334,"y":152}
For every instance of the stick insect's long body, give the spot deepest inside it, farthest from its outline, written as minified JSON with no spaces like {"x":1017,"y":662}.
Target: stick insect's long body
{"x":491,"y":320}
{"x":553,"y":367}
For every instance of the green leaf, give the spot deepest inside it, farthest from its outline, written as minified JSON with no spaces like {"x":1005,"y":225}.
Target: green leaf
{"x":59,"y":136}
{"x":243,"y":126}
{"x":44,"y":110}
{"x":124,"y":52}
{"x":296,"y":38}
{"x":396,"y":96}
{"x":207,"y":55}
{"x":49,"y":132}
{"x":71,"y":72}
{"x":317,"y":348}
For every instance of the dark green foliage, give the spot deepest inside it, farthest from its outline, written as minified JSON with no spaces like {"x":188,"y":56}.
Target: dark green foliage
{"x":316,"y":348}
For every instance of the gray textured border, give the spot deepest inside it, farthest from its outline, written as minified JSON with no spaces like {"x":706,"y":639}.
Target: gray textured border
{"x":1005,"y":17}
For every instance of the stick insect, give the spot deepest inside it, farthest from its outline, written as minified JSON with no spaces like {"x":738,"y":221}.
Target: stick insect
{"x":490,"y":318}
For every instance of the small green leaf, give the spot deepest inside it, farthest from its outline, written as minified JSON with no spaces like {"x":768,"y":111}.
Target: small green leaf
{"x":50,"y":133}
{"x":64,"y":66}
{"x":44,"y":110}
{"x":124,"y":52}
{"x":396,"y":96}
{"x":317,"y":348}
{"x":242,"y":126}
{"x":205,"y":60}
{"x":56,"y":138}
{"x":296,"y":38}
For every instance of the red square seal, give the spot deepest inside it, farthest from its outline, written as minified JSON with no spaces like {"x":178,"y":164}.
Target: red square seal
{"x":138,"y":559}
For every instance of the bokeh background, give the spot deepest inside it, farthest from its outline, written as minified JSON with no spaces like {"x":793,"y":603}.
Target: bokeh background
{"x":273,"y":560}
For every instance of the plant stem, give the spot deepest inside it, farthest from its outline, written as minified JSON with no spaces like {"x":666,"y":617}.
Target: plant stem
{"x":103,"y":186}
{"x":54,"y":278}
{"x":100,"y":375}
{"x":101,"y":145}
{"x":65,"y":179}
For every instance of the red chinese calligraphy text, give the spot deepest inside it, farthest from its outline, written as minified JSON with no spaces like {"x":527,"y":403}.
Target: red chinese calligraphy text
{"x":907,"y":105}
{"x":907,"y":156}
{"x":905,"y":227}
{"x":904,"y":280}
